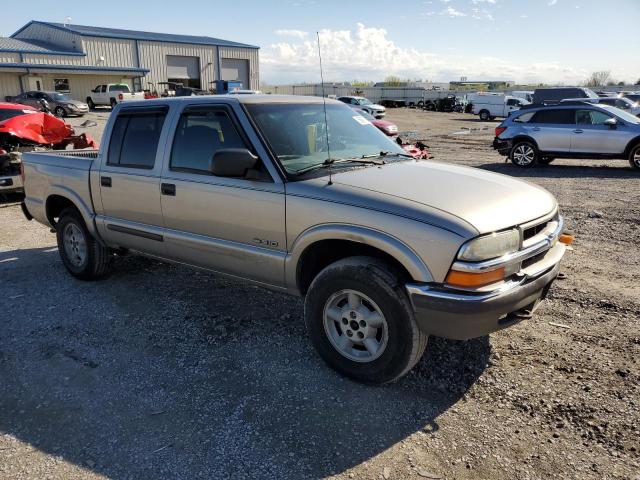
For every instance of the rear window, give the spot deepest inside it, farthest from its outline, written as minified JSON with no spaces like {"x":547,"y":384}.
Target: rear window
{"x":561,"y":117}
{"x":119,"y":88}
{"x":134,"y":140}
{"x":10,"y":113}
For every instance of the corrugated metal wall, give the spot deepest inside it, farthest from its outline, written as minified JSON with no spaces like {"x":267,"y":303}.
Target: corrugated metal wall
{"x":116,"y":52}
{"x":9,"y":85}
{"x":251,"y":54}
{"x":153,"y":56}
{"x":54,"y":59}
{"x":66,"y":40}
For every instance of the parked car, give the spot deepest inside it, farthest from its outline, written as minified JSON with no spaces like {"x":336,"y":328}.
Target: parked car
{"x":569,"y":130}
{"x":488,"y":107}
{"x":59,"y":104}
{"x":377,"y":111}
{"x":618,"y":102}
{"x":111,"y":94}
{"x":313,"y":202}
{"x":388,"y":128}
{"x":550,"y":96}
{"x":634,"y":97}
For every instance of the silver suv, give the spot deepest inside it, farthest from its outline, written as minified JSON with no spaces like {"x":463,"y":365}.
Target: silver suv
{"x":569,"y":130}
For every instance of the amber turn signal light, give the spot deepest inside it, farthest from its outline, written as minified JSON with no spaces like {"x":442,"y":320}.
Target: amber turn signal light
{"x":566,"y":239}
{"x":472,"y":279}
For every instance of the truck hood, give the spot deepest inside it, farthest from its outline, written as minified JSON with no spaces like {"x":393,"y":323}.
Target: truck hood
{"x":485,"y":200}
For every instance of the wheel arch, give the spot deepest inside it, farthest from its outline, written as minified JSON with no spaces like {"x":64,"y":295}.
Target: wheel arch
{"x":322,"y":245}
{"x":61,"y":198}
{"x":632,"y":144}
{"x":527,"y":138}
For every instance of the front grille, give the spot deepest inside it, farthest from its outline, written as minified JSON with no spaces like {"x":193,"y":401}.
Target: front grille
{"x":532,"y":260}
{"x":533,"y":231}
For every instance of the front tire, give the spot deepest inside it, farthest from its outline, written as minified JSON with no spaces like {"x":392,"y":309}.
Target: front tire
{"x":634,"y":157}
{"x":361,"y":323}
{"x":81,"y":254}
{"x":90,"y":103}
{"x":524,"y":154}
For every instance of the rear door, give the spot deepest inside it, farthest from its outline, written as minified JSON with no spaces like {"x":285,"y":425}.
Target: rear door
{"x":552,"y":129}
{"x":231,"y":225}
{"x":593,"y":136}
{"x":130,"y":180}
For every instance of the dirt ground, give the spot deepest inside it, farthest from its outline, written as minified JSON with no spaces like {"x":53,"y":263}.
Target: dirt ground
{"x":163,"y":372}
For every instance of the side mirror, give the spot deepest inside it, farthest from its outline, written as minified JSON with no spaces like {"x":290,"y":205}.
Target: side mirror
{"x":232,"y":162}
{"x":611,"y":122}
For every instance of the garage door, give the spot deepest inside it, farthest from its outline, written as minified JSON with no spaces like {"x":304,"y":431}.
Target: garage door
{"x":234,"y":69}
{"x":183,"y":68}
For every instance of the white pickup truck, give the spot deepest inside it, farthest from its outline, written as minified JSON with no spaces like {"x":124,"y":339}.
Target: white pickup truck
{"x":111,"y":94}
{"x":488,"y":107}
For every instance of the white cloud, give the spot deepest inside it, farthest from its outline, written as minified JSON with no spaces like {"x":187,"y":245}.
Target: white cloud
{"x":481,"y":14}
{"x":452,"y":12}
{"x":292,"y":33}
{"x":552,"y":2}
{"x":367,"y":53}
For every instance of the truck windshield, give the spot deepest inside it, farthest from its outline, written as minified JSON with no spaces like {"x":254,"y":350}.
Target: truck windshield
{"x":297,"y":133}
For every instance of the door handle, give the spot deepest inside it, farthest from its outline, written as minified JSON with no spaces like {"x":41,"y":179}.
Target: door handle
{"x":168,"y":189}
{"x":105,"y":181}
{"x":578,"y":131}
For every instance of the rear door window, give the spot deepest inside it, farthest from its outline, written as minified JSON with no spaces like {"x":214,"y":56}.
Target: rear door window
{"x":134,"y":139}
{"x":556,"y":117}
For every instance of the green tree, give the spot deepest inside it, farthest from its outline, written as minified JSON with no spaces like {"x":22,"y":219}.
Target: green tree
{"x":393,"y":81}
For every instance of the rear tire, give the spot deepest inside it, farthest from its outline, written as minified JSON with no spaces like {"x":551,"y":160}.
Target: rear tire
{"x":524,"y":154}
{"x":484,"y":115}
{"x":361,"y":323}
{"x":81,"y":254}
{"x":634,"y":157}
{"x":113,"y":103}
{"x":60,"y":112}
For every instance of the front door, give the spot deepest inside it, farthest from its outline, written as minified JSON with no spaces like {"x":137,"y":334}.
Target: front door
{"x":593,"y":136}
{"x":231,"y":225}
{"x":129,"y":180}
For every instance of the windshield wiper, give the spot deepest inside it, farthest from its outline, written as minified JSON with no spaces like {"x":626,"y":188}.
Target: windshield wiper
{"x":365,"y":159}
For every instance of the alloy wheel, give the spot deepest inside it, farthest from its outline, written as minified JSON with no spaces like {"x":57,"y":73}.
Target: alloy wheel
{"x":524,"y":155}
{"x":75,"y":245}
{"x":355,"y":326}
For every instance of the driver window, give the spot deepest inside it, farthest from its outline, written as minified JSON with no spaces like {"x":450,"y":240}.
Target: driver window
{"x":199,"y":135}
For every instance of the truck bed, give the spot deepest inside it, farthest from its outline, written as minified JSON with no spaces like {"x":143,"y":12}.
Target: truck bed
{"x":65,"y":173}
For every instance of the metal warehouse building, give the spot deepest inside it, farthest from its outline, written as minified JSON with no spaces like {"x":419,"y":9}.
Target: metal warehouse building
{"x":74,"y":59}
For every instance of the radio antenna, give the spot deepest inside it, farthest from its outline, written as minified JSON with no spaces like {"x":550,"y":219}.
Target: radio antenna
{"x":324,"y":104}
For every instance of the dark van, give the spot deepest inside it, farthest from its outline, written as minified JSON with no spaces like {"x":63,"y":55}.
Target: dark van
{"x":547,"y":96}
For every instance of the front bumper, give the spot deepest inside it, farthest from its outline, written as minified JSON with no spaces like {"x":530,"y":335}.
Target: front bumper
{"x":502,"y":146}
{"x":461,"y":315}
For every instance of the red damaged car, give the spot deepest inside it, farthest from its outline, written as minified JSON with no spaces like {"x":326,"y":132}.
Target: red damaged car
{"x":23,"y":128}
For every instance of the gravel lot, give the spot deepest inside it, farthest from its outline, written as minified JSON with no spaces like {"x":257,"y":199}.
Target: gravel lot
{"x":163,"y":372}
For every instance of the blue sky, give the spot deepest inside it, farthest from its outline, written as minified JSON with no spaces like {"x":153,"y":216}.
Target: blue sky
{"x":439,"y":40}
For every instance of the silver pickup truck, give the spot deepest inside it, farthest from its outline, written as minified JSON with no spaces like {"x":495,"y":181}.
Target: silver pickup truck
{"x":318,"y":203}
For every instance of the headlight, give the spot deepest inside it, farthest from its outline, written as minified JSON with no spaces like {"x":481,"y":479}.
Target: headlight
{"x":490,"y":246}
